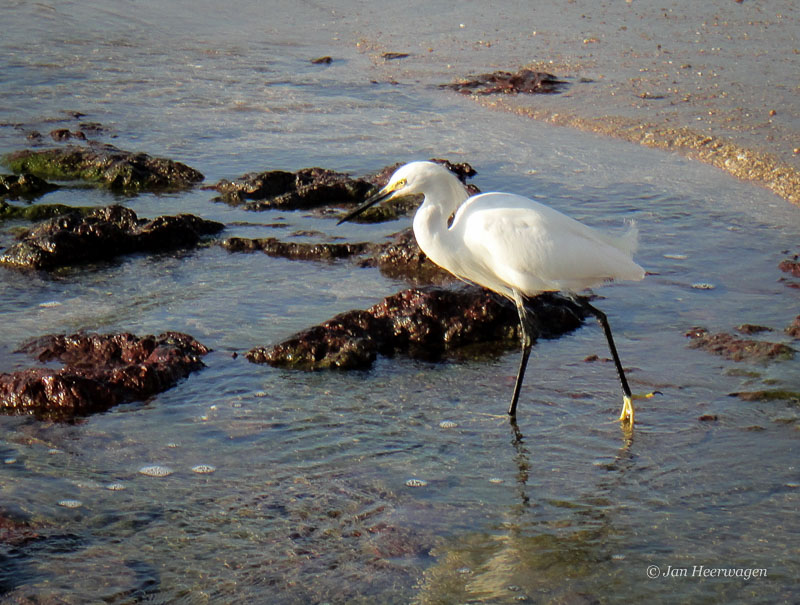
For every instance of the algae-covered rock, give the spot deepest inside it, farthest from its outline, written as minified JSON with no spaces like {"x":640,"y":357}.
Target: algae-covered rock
{"x":102,"y":234}
{"x":38,"y":212}
{"x":106,"y":165}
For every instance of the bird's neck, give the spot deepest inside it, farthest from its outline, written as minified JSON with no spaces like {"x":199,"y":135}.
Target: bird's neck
{"x":431,"y":221}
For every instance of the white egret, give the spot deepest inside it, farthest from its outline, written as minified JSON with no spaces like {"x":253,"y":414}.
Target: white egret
{"x":514,"y":246}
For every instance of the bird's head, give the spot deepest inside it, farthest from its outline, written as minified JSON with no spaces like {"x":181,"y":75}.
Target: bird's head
{"x":410,"y":179}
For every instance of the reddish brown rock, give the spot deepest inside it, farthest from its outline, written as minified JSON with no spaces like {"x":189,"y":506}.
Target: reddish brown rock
{"x":794,"y":328}
{"x":99,"y":371}
{"x":792,"y":267}
{"x":524,"y":81}
{"x":424,"y":323}
{"x":738,"y":349}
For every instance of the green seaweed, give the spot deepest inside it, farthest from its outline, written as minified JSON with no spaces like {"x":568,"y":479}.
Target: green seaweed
{"x":37,"y":212}
{"x":51,"y":164}
{"x":108,"y":167}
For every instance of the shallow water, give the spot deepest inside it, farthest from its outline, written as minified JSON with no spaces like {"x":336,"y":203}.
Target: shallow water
{"x":313,"y":497}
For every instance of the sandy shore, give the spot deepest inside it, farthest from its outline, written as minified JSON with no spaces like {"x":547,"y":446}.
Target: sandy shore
{"x":717,"y":81}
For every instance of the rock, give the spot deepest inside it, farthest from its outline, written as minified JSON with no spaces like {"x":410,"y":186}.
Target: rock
{"x":423,"y":323}
{"x":39,"y":212}
{"x":311,"y":188}
{"x":769,"y":395}
{"x":106,"y":165}
{"x":793,"y":329}
{"x":792,"y":267}
{"x":15,"y":532}
{"x":524,"y":81}
{"x":402,"y":258}
{"x":64,"y":134}
{"x":738,"y":349}
{"x":752,"y":329}
{"x":99,"y":371}
{"x":304,"y":189}
{"x":102,"y":234}
{"x":296,"y":250}
{"x":23,"y":186}
{"x":391,"y":56}
{"x":326,"y":60}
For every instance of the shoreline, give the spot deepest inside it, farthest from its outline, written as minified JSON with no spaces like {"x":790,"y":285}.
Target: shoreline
{"x":742,"y":162}
{"x":711,"y":81}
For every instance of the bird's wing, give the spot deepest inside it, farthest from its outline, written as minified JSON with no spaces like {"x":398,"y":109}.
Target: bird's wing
{"x":532,"y":247}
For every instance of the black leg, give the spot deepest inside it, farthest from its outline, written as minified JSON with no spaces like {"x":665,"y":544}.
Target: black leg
{"x":627,"y":408}
{"x":526,"y":339}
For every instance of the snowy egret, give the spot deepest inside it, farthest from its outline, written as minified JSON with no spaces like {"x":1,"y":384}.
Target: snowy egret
{"x":514,"y":246}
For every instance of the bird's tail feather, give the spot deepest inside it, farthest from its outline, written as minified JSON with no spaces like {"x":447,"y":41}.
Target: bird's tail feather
{"x":627,"y":242}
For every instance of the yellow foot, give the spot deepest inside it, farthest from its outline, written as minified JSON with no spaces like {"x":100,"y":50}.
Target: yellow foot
{"x":627,"y":406}
{"x":627,"y":410}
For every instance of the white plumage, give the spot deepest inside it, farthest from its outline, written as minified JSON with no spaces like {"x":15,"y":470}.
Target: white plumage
{"x":512,"y":245}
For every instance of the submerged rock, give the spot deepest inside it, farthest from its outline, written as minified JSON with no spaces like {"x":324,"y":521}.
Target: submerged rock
{"x":792,"y":397}
{"x":106,"y":165}
{"x":738,"y":349}
{"x":524,"y":81}
{"x":102,"y":234}
{"x":423,"y":323}
{"x":99,"y":371}
{"x":23,"y":186}
{"x":792,"y":267}
{"x":15,"y":532}
{"x":793,"y":329}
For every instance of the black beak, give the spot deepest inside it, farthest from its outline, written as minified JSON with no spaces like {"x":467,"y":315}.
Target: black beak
{"x":371,"y":201}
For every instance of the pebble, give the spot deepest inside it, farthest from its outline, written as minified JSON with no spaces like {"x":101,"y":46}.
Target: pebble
{"x":155,"y":470}
{"x":10,"y":461}
{"x":115,"y":487}
{"x":447,"y":424}
{"x":204,"y":468}
{"x":495,"y":480}
{"x":703,"y":286}
{"x":416,"y":483}
{"x":68,"y":503}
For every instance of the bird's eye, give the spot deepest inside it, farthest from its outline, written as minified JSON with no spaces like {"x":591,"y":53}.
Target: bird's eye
{"x":400,"y":183}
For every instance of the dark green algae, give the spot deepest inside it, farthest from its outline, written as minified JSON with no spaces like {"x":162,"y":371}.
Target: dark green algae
{"x":38,"y":212}
{"x":104,"y":165}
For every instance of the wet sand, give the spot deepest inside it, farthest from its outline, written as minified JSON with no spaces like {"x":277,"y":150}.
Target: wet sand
{"x":716,"y":81}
